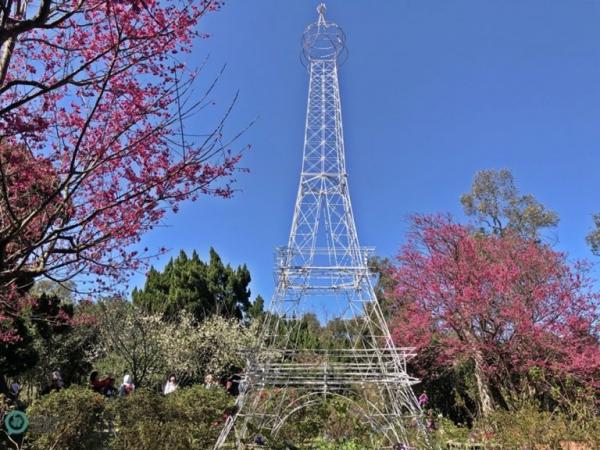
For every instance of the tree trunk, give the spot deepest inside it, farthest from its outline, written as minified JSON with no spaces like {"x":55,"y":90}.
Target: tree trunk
{"x":483,"y":389}
{"x":6,"y":50}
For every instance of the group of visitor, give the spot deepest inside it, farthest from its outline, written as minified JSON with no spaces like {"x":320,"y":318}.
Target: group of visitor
{"x":106,"y":385}
{"x":55,"y":383}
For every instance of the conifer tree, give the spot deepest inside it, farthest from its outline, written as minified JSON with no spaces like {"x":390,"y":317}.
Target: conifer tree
{"x":201,"y":288}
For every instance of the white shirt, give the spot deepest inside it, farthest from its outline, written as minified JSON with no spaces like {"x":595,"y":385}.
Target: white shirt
{"x":170,"y":387}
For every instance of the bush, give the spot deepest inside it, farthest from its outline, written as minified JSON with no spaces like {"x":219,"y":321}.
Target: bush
{"x":322,"y":444}
{"x":188,"y":418}
{"x":68,"y":419}
{"x":328,"y":423}
{"x":446,"y":430}
{"x":73,"y":419}
{"x":529,"y":427}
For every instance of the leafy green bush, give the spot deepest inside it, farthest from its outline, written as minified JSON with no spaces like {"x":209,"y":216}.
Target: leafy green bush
{"x":326,"y":423}
{"x":68,"y":419}
{"x":446,"y":430}
{"x":77,"y":418}
{"x":322,"y":444}
{"x":188,"y":418}
{"x":529,"y":427}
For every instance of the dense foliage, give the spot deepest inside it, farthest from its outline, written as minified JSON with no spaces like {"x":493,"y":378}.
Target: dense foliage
{"x":148,"y":348}
{"x":200,"y":288}
{"x":188,"y":418}
{"x":505,"y":305}
{"x":497,"y":207}
{"x":77,"y":418}
{"x":93,"y":150}
{"x":51,"y":334}
{"x":69,"y":419}
{"x":331,"y":424}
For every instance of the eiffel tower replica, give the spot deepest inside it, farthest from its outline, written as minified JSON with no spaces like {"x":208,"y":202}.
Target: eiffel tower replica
{"x":324,"y":265}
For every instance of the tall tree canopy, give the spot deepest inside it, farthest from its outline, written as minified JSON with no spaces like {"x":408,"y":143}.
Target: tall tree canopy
{"x":497,"y":205}
{"x":94,"y":96}
{"x":201,"y":288}
{"x":48,"y":318}
{"x":593,"y":238}
{"x":505,"y":304}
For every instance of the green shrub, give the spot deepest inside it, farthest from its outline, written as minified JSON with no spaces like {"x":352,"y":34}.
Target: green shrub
{"x":328,"y":423}
{"x":446,"y":431}
{"x":529,"y":427}
{"x":188,"y":418}
{"x":322,"y":444}
{"x":65,"y":420}
{"x":74,"y":419}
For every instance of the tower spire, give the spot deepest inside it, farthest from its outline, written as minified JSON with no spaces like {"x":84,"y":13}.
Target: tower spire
{"x":321,"y":9}
{"x":323,"y":268}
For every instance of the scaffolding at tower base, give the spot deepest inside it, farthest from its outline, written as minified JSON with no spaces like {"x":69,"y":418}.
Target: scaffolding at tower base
{"x":329,"y":370}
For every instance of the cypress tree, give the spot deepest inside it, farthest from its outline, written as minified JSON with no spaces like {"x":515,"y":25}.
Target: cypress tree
{"x":203,"y":289}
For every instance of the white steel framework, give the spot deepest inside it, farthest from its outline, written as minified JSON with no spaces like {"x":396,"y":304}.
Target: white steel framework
{"x":324,"y":261}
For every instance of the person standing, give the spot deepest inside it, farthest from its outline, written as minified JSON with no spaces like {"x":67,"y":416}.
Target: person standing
{"x":232,"y":385}
{"x":209,"y":381}
{"x":127,"y":387}
{"x":57,"y":382}
{"x":15,"y":389}
{"x":171,"y":384}
{"x":103,"y":386}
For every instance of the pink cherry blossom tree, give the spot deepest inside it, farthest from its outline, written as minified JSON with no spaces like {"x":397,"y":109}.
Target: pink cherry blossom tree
{"x":93,"y":151}
{"x":506,"y":304}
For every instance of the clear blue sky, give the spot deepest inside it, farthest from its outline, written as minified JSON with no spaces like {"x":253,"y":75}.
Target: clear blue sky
{"x":433,"y":91}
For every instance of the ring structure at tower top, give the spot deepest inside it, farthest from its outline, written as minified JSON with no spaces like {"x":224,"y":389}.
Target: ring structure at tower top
{"x":323,"y":40}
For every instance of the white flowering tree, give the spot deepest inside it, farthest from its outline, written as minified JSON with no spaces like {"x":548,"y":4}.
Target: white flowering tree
{"x":129,"y":342}
{"x":149,"y":348}
{"x":212,"y":347}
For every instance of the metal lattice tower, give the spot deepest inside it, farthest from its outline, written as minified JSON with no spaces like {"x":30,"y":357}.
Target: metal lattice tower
{"x":324,"y":265}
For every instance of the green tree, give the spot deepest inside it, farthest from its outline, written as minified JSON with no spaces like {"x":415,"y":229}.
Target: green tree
{"x":63,"y":290}
{"x":190,"y":284}
{"x":496,"y":205}
{"x":129,"y":341}
{"x":51,"y":337}
{"x":342,"y":333}
{"x":382,"y":268}
{"x":308,"y":331}
{"x":593,"y":239}
{"x":257,"y":310}
{"x":147,"y":347}
{"x":63,"y":346}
